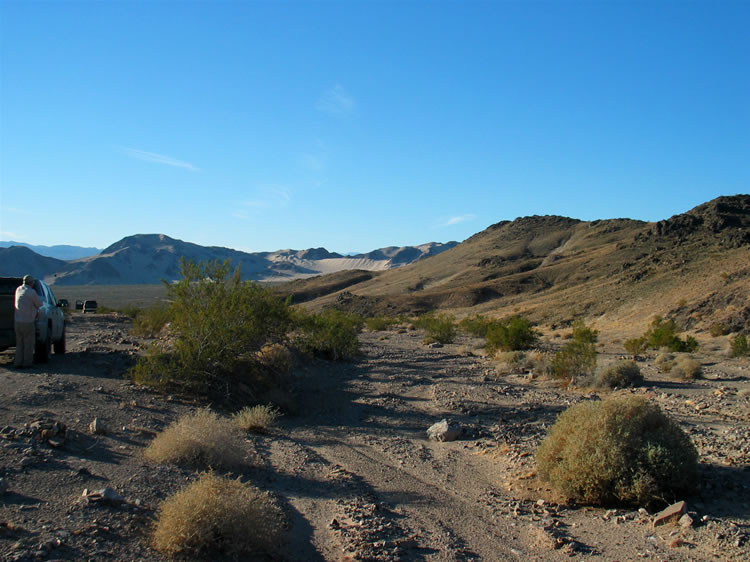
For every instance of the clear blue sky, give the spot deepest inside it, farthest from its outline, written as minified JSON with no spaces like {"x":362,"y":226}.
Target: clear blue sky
{"x":357,"y":125}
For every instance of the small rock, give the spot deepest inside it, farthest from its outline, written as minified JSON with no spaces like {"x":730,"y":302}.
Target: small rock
{"x":670,"y":514}
{"x":685,"y":521}
{"x":3,"y":486}
{"x":444,"y":431}
{"x":105,"y":496}
{"x":97,"y":427}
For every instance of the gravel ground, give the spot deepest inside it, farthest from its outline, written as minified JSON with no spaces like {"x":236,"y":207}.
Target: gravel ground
{"x":352,"y":465}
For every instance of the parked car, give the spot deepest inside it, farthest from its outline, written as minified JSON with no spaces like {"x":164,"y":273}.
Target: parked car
{"x":89,"y":306}
{"x":79,"y":305}
{"x":63,"y":303}
{"x":50,"y":322}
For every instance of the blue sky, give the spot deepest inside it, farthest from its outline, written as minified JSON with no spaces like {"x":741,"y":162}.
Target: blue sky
{"x":357,"y":125}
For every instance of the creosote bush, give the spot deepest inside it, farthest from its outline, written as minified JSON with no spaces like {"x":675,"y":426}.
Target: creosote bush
{"x":636,"y":346}
{"x":219,"y":515}
{"x":475,"y":325}
{"x":619,"y":451}
{"x":332,"y":334}
{"x":578,"y":357}
{"x":257,"y":419}
{"x":149,"y":322}
{"x":739,"y":346}
{"x":438,"y":327}
{"x":621,"y":374}
{"x":512,"y":334}
{"x":201,"y":439}
{"x":663,"y":333}
{"x":380,"y":323}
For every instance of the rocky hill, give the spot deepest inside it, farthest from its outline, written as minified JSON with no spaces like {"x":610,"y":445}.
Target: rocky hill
{"x":694,"y":266}
{"x":149,"y":258}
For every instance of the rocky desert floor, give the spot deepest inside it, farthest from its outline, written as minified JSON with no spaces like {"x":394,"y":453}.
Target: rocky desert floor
{"x":352,"y":465}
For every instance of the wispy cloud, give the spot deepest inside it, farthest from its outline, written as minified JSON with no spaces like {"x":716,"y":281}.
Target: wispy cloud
{"x":268,"y":197}
{"x":457,"y":220}
{"x":159,"y":159}
{"x":11,"y":235}
{"x":336,"y":101}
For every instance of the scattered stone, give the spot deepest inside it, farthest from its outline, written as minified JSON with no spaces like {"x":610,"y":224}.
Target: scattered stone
{"x":670,"y":514}
{"x":96,"y":427}
{"x":444,"y":431}
{"x":685,"y":521}
{"x":103,"y":496}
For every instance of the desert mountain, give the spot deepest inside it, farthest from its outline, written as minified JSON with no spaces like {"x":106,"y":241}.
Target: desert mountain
{"x":149,"y":258}
{"x":60,"y":252}
{"x":693,"y":266}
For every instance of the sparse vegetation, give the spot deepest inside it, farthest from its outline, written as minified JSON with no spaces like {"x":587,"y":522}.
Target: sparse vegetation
{"x":475,"y":325}
{"x":513,"y":334}
{"x":218,"y":322}
{"x":217,"y":514}
{"x":739,"y":346}
{"x":332,"y":334}
{"x":275,"y":357}
{"x":202,"y":439}
{"x":686,"y":369}
{"x":149,"y":322}
{"x":621,"y":451}
{"x":717,"y":329}
{"x":663,"y":333}
{"x":438,"y":327}
{"x":635,"y":346}
{"x":256,"y":419}
{"x":621,"y":374}
{"x":577,"y":357}
{"x":380,"y":323}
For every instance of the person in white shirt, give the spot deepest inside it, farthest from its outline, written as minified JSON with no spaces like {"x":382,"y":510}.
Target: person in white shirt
{"x":27,"y":307}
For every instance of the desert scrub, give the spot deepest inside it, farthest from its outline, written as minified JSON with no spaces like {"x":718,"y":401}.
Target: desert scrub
{"x":663,"y":333}
{"x":686,"y":369}
{"x":438,"y":327}
{"x":275,"y":357}
{"x":200,"y":439}
{"x":218,"y":515}
{"x":217,"y":321}
{"x":380,"y":323}
{"x":511,"y":362}
{"x":475,"y":325}
{"x":257,"y":419}
{"x":149,"y":322}
{"x":619,"y":451}
{"x":620,"y":374}
{"x":577,"y":358}
{"x":635,"y":346}
{"x":512,"y":334}
{"x":739,"y":346}
{"x":332,"y":334}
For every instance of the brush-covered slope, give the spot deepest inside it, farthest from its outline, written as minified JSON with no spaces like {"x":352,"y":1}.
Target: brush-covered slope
{"x":556,"y":268}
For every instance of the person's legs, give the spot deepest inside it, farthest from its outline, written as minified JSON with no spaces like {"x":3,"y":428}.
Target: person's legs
{"x":25,"y":343}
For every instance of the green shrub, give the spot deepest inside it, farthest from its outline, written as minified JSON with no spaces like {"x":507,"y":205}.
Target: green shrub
{"x":380,"y":323}
{"x":575,"y":359}
{"x":475,"y":325}
{"x":686,"y":369}
{"x":620,"y":451}
{"x":740,"y":346}
{"x":621,"y":374}
{"x":149,"y":322}
{"x":438,"y":327}
{"x":219,"y":515}
{"x":217,"y":323}
{"x":636,"y":346}
{"x":718,"y":329}
{"x":513,"y":334}
{"x":663,"y":333}
{"x":584,"y":334}
{"x":332,"y":334}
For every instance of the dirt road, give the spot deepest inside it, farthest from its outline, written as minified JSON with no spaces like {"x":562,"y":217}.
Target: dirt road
{"x":352,"y":464}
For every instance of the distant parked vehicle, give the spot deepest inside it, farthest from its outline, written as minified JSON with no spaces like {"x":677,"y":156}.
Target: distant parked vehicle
{"x":63,"y":303}
{"x":89,"y":306}
{"x":79,"y":305}
{"x":50,"y":322}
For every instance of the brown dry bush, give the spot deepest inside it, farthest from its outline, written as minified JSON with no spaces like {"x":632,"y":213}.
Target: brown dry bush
{"x":619,"y":451}
{"x":620,"y":374}
{"x":216,"y":514}
{"x":686,"y":369}
{"x":198,"y":439}
{"x":276,"y":357}
{"x":257,"y":418}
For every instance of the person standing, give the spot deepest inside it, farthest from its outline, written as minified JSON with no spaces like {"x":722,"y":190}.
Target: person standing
{"x":27,"y":307}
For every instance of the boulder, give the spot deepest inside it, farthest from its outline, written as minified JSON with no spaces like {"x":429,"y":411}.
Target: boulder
{"x":444,"y":431}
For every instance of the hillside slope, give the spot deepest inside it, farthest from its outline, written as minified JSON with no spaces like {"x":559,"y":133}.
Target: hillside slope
{"x":695,"y":266}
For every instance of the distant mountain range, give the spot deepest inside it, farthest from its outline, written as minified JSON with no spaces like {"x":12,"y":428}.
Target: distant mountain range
{"x":151,"y":258}
{"x":61,"y":252}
